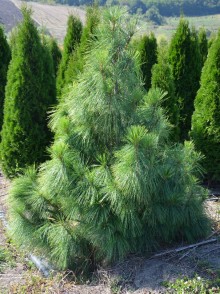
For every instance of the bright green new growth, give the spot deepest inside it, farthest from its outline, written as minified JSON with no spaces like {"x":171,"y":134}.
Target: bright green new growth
{"x":206,"y":117}
{"x":71,"y":41}
{"x":30,"y":91}
{"x":162,"y":78}
{"x":185,"y":60}
{"x":5,"y":56}
{"x":147,"y":48}
{"x":113,"y":186}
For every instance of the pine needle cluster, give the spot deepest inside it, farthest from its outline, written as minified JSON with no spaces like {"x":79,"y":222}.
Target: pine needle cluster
{"x":113,"y":184}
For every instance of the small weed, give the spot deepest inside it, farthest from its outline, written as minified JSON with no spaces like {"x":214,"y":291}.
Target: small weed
{"x":197,"y":285}
{"x":115,"y":285}
{"x":6,"y":258}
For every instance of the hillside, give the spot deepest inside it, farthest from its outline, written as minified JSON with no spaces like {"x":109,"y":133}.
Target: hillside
{"x":52,"y":17}
{"x":165,"y":7}
{"x":10,"y":15}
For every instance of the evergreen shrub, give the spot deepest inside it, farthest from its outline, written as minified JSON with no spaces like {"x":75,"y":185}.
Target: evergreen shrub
{"x":113,"y":185}
{"x":30,"y":92}
{"x":206,"y":117}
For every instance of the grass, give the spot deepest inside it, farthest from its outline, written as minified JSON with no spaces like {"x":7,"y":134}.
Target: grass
{"x":7,"y":259}
{"x":193,"y":286}
{"x":210,"y":22}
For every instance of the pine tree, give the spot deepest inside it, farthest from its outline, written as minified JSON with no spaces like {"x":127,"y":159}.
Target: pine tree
{"x":71,"y":41}
{"x":30,"y":91}
{"x":112,"y":185}
{"x":185,"y":61}
{"x":147,"y":48}
{"x":203,"y":45}
{"x":206,"y":117}
{"x":162,"y":78}
{"x":5,"y":57}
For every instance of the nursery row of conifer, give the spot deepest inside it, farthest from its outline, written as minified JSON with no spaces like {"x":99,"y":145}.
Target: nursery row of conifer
{"x":38,"y":76}
{"x":117,"y":176}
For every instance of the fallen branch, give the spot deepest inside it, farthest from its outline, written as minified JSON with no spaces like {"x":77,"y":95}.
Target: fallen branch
{"x":213,"y":199}
{"x":187,"y":253}
{"x":185,"y":248}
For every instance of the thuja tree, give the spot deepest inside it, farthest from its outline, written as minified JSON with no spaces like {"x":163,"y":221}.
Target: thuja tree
{"x":203,"y":45}
{"x":206,"y":118}
{"x":147,"y":48}
{"x":55,"y":53}
{"x":112,"y":186}
{"x":162,"y":77}
{"x":77,"y":61}
{"x":30,"y":90}
{"x":5,"y":56}
{"x":72,"y":39}
{"x":185,"y":61}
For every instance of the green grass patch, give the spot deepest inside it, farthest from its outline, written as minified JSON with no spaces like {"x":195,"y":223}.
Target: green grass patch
{"x":193,"y":286}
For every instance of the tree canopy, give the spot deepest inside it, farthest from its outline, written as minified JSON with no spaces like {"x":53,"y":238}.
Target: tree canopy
{"x":113,"y":185}
{"x":30,"y":91}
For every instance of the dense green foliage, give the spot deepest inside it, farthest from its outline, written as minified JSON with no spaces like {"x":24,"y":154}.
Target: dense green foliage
{"x":206,"y":118}
{"x":71,"y":41}
{"x":76,"y":62}
{"x":203,"y":45}
{"x":113,"y":185}
{"x":185,"y":60}
{"x":5,"y":56}
{"x":162,"y":77}
{"x":30,"y":91}
{"x":147,"y":48}
{"x":55,"y":53}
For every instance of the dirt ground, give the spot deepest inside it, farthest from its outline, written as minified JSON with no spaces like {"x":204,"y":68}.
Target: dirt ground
{"x":136,"y":275}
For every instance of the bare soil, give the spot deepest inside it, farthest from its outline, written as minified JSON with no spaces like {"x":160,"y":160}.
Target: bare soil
{"x":137,"y":274}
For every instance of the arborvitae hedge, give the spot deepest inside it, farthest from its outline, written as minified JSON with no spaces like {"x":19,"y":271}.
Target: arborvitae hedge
{"x":162,"y":77}
{"x":147,"y":48}
{"x":206,"y":118}
{"x":5,"y":56}
{"x":113,"y":186}
{"x":76,"y":61}
{"x":30,"y":91}
{"x":55,"y":53}
{"x":71,"y":41}
{"x":185,"y":61}
{"x":203,"y":45}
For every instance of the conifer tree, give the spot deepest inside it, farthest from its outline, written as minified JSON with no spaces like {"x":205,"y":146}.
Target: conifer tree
{"x":206,"y":117}
{"x":55,"y":53}
{"x":147,"y":48}
{"x":185,"y":61}
{"x":162,"y":78}
{"x":76,"y":62}
{"x":112,"y":185}
{"x":5,"y":56}
{"x":71,"y":41}
{"x":30,"y":91}
{"x":203,"y":45}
